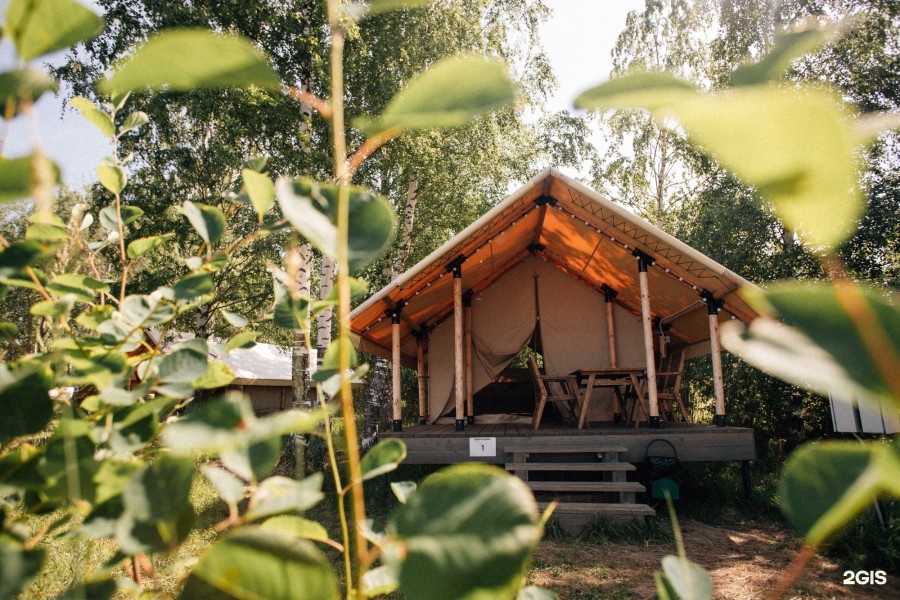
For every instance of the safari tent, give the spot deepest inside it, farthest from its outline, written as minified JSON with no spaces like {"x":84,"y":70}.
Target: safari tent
{"x":558,"y":261}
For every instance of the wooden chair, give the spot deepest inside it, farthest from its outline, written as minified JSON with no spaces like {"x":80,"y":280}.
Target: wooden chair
{"x":569,"y":391}
{"x":668,"y":382}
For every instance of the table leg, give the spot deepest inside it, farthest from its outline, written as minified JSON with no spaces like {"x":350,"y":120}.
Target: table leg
{"x":641,"y":402}
{"x":585,"y":400}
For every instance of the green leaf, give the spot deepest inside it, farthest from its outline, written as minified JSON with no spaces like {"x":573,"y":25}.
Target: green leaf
{"x":651,"y":90}
{"x":97,"y":117}
{"x":42,"y":26}
{"x":210,"y":427}
{"x":234,"y":319}
{"x":207,"y":221}
{"x":229,"y":487}
{"x":218,"y":375}
{"x":688,"y":579}
{"x":94,"y":315}
{"x":45,"y":232}
{"x":187,"y":59}
{"x":664,"y":589}
{"x":290,"y":313}
{"x":817,"y":345}
{"x":133,"y":121}
{"x":311,"y":208}
{"x":53,"y":308}
{"x":788,"y":47}
{"x":24,"y":84}
{"x":112,"y":478}
{"x":448,"y":94}
{"x":113,"y":178}
{"x":84,"y":288}
{"x":468,"y":532}
{"x":277,"y":495}
{"x":825,"y":486}
{"x":145,"y":311}
{"x":24,"y":403}
{"x":383,"y":458}
{"x":261,"y":190}
{"x":380,"y":6}
{"x":244,"y":339}
{"x":260,"y":563}
{"x":185,"y":363}
{"x":192,"y":286}
{"x":403,"y":490}
{"x":157,"y":505}
{"x":142,"y":246}
{"x":9,"y":330}
{"x":254,"y":461}
{"x":95,"y":589}
{"x":19,"y":565}
{"x":299,"y":527}
{"x":18,"y":174}
{"x":109,"y":220}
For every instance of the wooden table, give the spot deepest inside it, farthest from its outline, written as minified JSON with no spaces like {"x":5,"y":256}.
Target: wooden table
{"x":616,"y":378}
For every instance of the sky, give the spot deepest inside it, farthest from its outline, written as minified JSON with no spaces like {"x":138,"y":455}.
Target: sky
{"x":578,"y":39}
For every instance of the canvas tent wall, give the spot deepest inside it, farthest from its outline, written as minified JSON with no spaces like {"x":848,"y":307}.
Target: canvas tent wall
{"x":578,"y":244}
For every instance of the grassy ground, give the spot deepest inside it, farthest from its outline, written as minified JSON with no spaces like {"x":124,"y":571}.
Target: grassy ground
{"x":743,"y":543}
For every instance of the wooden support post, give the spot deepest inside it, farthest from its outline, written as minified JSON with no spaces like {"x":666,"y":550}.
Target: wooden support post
{"x":395,"y":355}
{"x":712,"y":307}
{"x":459,"y":376}
{"x":470,"y":402}
{"x":610,"y":295}
{"x":644,"y":261}
{"x":421,"y":341}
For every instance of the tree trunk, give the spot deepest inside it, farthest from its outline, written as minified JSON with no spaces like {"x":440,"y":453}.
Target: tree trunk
{"x":298,"y":263}
{"x":379,"y":384}
{"x":323,"y":329}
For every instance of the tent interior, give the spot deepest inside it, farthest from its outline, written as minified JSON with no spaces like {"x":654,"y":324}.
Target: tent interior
{"x":538,"y":270}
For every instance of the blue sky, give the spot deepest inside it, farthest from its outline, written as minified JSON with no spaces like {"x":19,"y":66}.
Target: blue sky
{"x":578,"y":39}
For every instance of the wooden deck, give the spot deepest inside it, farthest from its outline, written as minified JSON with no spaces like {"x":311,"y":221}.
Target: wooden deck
{"x":442,"y":445}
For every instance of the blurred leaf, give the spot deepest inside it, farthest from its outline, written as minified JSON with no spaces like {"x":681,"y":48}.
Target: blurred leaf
{"x":468,"y":532}
{"x":825,"y":486}
{"x":94,"y":315}
{"x":95,"y":589}
{"x":41,"y":26}
{"x":244,"y":339}
{"x":261,"y":563}
{"x":787,"y":48}
{"x":145,"y":311}
{"x":449,"y":94}
{"x":24,"y":84}
{"x":17,"y":176}
{"x":133,"y":121}
{"x":650,"y":90}
{"x":380,"y":581}
{"x":53,"y":308}
{"x":290,"y":313}
{"x":230,"y":488}
{"x":19,"y":565}
{"x":383,"y":458}
{"x":818,"y":346}
{"x":207,"y":221}
{"x":688,"y":579}
{"x":84,"y":288}
{"x":218,"y":375}
{"x":403,"y":490}
{"x":192,"y":286}
{"x":97,"y":117}
{"x":311,"y":208}
{"x":664,"y":589}
{"x":234,"y":319}
{"x":533,"y":592}
{"x":112,"y":478}
{"x":277,"y":495}
{"x":109,"y":219}
{"x":24,"y":403}
{"x":187,"y":59}
{"x":261,"y":190}
{"x":185,"y":363}
{"x":255,"y":460}
{"x":21,"y":254}
{"x":158,"y":512}
{"x":142,"y":246}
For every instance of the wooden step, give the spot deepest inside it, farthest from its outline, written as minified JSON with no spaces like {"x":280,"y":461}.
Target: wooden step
{"x":585,"y":486}
{"x":592,"y":466}
{"x":563,"y":449}
{"x":600,"y":508}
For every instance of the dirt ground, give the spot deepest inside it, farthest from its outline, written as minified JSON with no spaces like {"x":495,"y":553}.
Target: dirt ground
{"x":743,"y":560}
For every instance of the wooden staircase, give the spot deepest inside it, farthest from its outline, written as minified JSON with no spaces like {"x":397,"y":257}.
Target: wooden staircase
{"x":587,"y":482}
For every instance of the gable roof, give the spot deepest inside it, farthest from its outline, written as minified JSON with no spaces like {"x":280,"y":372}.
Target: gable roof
{"x":578,"y":231}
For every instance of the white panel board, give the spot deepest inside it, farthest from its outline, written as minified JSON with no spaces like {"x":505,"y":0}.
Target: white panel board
{"x":843,"y":414}
{"x":483,"y":446}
